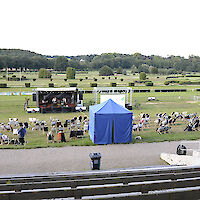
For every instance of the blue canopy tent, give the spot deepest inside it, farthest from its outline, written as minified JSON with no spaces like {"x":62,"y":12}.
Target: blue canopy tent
{"x":110,"y":123}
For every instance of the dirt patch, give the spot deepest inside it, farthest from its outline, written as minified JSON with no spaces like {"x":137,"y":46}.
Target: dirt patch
{"x":191,"y":102}
{"x":151,"y":103}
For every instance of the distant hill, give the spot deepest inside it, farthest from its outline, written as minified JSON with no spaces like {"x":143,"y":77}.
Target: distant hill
{"x":18,"y":52}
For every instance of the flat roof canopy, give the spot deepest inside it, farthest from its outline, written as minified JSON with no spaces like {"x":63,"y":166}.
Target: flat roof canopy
{"x":55,"y":89}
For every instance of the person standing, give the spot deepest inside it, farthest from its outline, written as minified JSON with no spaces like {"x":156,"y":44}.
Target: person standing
{"x":21,"y":132}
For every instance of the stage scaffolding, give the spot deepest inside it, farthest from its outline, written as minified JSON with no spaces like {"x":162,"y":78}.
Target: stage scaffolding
{"x":113,"y":90}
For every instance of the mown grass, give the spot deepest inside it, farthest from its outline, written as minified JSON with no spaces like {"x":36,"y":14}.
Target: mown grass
{"x":12,"y":107}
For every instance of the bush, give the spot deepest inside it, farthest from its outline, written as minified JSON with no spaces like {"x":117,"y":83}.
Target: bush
{"x":81,"y":79}
{"x":119,"y":70}
{"x":70,"y":73}
{"x":121,"y":79}
{"x":73,"y":84}
{"x":27,"y":85}
{"x":105,"y":71}
{"x":93,"y":84}
{"x":131,"y":84}
{"x":149,"y":83}
{"x":124,"y":72}
{"x":43,"y":73}
{"x":65,"y":79}
{"x":13,"y":76}
{"x":95,"y":79}
{"x":51,"y":79}
{"x":142,"y":76}
{"x":13,"y":79}
{"x":113,"y":84}
{"x":103,"y":77}
{"x":115,"y":77}
{"x":109,"y":77}
{"x":51,"y":84}
{"x":3,"y":85}
{"x":166,"y":82}
{"x":34,"y":79}
{"x":86,"y":77}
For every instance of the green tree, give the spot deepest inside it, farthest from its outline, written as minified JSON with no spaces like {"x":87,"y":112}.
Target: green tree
{"x":105,"y":71}
{"x":153,"y":70}
{"x":134,"y":69}
{"x":70,"y":73}
{"x":119,"y":70}
{"x":142,"y":76}
{"x":61,"y":63}
{"x":143,"y":68}
{"x":43,"y":73}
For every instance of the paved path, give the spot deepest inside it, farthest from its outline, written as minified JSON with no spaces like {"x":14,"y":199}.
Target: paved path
{"x":75,"y":158}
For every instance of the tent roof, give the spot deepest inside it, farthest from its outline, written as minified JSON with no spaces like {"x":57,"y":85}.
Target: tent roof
{"x":109,"y":107}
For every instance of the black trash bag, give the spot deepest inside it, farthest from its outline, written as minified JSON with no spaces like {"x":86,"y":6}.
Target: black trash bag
{"x":181,"y":150}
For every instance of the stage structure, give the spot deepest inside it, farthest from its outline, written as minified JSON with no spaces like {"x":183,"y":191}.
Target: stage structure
{"x":59,"y":99}
{"x":114,"y":91}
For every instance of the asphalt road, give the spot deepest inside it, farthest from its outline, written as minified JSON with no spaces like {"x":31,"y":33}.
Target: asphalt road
{"x":75,"y":158}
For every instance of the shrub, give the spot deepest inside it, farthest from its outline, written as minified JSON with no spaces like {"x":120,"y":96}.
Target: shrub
{"x":109,"y":77}
{"x":115,"y":77}
{"x":81,"y":79}
{"x":51,"y":79}
{"x":70,"y":73}
{"x":113,"y":84}
{"x":142,"y":76}
{"x":119,"y":70}
{"x":149,"y":83}
{"x":13,"y":76}
{"x":86,"y":77}
{"x":51,"y":84}
{"x":103,"y":77}
{"x":95,"y":79}
{"x":34,"y":79}
{"x":43,"y":73}
{"x":121,"y":79}
{"x":27,"y":85}
{"x":105,"y":71}
{"x":124,"y":72}
{"x":166,"y":82}
{"x":93,"y":84}
{"x":3,"y":85}
{"x":65,"y":79}
{"x":131,"y":84}
{"x":73,"y":84}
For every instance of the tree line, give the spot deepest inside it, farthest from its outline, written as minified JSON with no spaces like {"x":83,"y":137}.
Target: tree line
{"x":137,"y":62}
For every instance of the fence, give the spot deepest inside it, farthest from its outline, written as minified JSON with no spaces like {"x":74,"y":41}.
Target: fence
{"x":142,"y":183}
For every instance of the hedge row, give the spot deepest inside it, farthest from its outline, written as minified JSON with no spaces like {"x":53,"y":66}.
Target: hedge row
{"x":192,"y":75}
{"x":73,"y":84}
{"x":3,"y":85}
{"x":189,"y":82}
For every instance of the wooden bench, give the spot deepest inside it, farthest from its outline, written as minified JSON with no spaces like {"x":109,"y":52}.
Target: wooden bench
{"x":142,"y":183}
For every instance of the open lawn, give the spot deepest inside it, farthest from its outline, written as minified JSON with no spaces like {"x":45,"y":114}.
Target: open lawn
{"x":13,"y":106}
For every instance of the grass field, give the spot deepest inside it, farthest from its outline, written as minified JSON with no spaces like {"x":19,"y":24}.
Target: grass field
{"x":12,"y":107}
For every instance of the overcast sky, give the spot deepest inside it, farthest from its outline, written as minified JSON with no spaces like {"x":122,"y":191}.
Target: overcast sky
{"x":77,"y":27}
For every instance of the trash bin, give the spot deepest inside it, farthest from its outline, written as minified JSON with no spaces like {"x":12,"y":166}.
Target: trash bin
{"x":181,"y":150}
{"x":95,"y":160}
